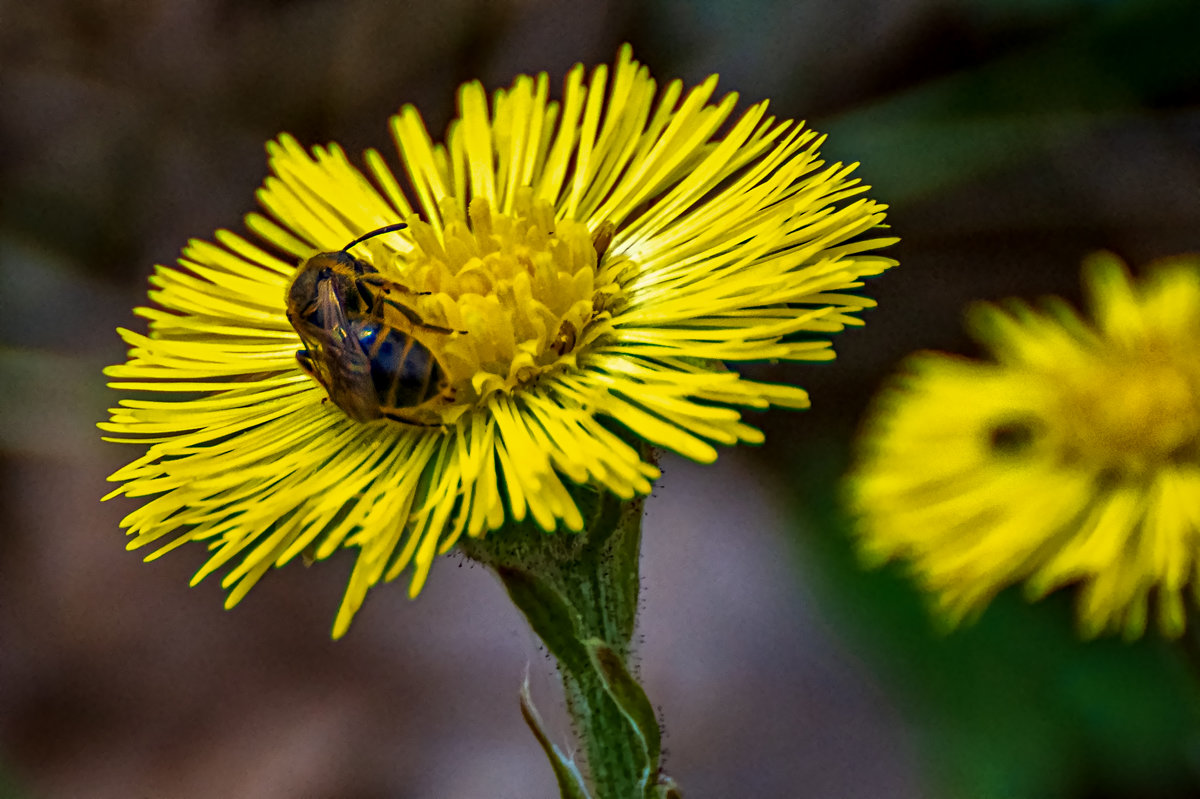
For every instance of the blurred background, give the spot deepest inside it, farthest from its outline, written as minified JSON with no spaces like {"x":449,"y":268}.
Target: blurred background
{"x":1010,"y":137}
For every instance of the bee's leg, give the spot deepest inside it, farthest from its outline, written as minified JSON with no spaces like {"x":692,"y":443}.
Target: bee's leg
{"x":437,"y":329}
{"x":396,"y":416}
{"x":414,"y":317}
{"x":306,"y":362}
{"x":385,"y":286}
{"x":407,"y":312}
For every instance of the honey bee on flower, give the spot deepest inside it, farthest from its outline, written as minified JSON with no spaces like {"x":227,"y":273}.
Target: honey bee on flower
{"x":369,"y":350}
{"x":572,"y":278}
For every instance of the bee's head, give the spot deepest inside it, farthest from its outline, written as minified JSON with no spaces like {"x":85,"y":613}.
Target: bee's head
{"x":340,"y":271}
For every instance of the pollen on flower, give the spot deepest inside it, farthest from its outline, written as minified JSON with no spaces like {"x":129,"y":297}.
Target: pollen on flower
{"x":525,"y":291}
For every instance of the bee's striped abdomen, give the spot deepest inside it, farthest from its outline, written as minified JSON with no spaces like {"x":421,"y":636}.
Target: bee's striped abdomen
{"x":403,"y":370}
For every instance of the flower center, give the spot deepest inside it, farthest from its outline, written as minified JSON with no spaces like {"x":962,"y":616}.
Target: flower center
{"x":1133,"y":413}
{"x":523,"y":293}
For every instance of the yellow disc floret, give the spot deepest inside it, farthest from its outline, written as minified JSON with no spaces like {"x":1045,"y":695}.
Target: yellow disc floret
{"x":1130,"y":414}
{"x":526,"y":292}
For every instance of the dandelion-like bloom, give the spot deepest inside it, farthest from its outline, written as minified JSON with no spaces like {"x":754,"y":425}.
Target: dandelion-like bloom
{"x":583,"y":272}
{"x":1074,"y":457}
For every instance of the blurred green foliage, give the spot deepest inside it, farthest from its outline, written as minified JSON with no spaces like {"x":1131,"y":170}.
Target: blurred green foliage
{"x":1124,"y":60}
{"x":1013,"y":705}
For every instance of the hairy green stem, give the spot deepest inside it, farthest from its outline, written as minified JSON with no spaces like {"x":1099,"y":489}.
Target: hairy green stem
{"x":579,"y":593}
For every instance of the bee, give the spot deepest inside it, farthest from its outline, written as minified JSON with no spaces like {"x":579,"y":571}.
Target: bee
{"x":361,"y":342}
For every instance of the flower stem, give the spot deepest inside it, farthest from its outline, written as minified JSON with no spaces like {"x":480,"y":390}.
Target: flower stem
{"x":579,"y":592}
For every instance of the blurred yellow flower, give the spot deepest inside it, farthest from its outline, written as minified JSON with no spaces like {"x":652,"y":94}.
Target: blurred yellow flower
{"x":1073,"y":457}
{"x":592,"y":265}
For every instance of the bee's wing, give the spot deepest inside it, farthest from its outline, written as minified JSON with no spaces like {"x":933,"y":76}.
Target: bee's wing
{"x":338,"y":361}
{"x":331,"y":315}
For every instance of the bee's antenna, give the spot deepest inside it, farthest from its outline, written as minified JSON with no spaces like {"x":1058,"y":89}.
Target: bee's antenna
{"x":374,"y":233}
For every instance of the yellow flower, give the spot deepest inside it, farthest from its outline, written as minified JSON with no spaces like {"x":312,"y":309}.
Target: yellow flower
{"x":1074,"y":457}
{"x":582,"y":272}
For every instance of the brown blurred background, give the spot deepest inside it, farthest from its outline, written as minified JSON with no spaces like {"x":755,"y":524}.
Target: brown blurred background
{"x":1011,"y":137}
